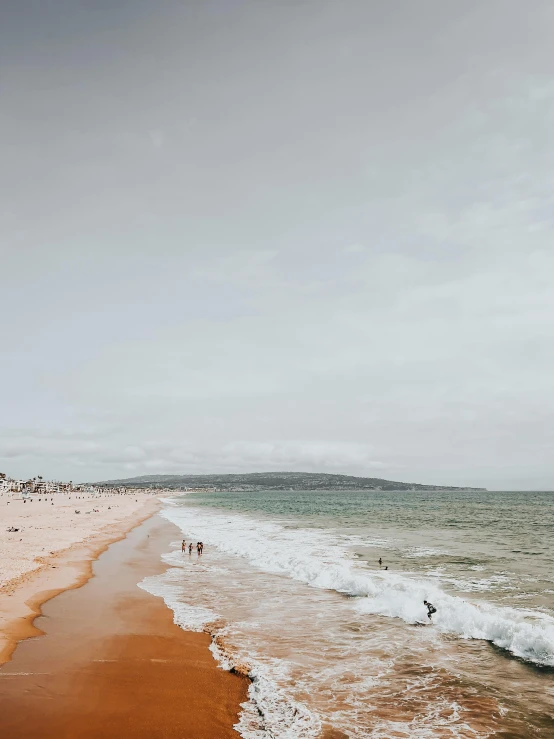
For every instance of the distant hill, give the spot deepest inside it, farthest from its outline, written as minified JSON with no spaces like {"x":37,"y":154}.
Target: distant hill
{"x":272,"y":481}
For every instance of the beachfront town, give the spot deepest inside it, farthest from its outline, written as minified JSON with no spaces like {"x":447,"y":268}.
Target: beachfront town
{"x":39,"y":486}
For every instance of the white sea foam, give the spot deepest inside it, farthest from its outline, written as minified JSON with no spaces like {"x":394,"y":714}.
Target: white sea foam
{"x":318,"y":559}
{"x":269,"y":712}
{"x":169,"y":587}
{"x":495,"y":582}
{"x":417,"y":552}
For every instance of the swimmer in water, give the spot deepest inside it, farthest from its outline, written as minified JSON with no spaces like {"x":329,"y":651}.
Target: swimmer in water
{"x":430,"y":609}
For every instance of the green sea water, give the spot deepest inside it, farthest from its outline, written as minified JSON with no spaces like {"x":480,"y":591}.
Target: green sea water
{"x":291,"y":584}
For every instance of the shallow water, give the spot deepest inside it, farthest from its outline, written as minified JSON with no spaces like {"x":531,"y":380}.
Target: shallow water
{"x":291,"y":586}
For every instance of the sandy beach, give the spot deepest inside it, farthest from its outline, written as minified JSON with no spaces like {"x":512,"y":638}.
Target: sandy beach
{"x":112,"y":663}
{"x":47,"y":544}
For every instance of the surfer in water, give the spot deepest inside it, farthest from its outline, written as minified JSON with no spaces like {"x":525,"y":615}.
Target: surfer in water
{"x":430,"y":609}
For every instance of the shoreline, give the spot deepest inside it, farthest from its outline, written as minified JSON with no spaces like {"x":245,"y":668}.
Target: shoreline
{"x":111,"y":661}
{"x":22,"y":597}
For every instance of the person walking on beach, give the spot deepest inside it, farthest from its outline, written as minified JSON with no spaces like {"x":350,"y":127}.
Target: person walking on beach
{"x":430,"y":609}
{"x":190,"y":548}
{"x":380,"y":561}
{"x":183,"y":546}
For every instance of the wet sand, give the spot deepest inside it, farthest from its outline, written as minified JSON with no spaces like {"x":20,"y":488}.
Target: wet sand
{"x":52,"y":551}
{"x":112,"y":663}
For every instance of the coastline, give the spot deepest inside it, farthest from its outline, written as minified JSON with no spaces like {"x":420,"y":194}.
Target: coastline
{"x":111,"y":661}
{"x":65,"y":568}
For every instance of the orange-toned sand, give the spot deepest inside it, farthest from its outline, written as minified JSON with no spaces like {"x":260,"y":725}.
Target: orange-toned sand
{"x":53,"y":548}
{"x":111,"y":663}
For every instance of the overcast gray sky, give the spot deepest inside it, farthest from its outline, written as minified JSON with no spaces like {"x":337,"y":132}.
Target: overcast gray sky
{"x":244,"y":235}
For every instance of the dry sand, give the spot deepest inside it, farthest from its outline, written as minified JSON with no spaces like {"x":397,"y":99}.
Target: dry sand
{"x":53,"y":549}
{"x":50,"y":524}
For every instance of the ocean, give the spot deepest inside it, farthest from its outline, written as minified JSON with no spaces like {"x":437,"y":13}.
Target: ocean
{"x":291,"y":589}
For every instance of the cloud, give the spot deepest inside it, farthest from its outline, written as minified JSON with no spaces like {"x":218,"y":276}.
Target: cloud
{"x":157,"y":138}
{"x":256,"y":265}
{"x":299,"y":455}
{"x":185,"y":458}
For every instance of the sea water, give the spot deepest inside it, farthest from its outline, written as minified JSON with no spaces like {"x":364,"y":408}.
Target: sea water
{"x":291,"y":589}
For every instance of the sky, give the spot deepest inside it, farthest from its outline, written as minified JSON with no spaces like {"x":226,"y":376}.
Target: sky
{"x":254,"y":235}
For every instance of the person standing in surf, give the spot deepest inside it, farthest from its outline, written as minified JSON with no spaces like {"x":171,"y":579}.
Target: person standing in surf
{"x":430,"y":609}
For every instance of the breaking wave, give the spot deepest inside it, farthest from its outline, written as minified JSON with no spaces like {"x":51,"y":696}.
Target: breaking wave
{"x":321,"y":559}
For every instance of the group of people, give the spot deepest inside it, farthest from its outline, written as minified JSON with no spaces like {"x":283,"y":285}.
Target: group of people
{"x":430,"y":607}
{"x":199,"y":547}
